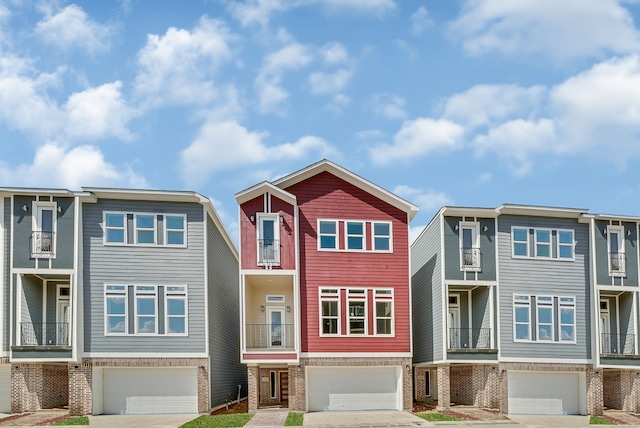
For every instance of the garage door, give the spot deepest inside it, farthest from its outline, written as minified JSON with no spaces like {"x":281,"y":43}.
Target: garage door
{"x":135,"y":391}
{"x":545,"y":393}
{"x":354,"y":388}
{"x":5,"y":388}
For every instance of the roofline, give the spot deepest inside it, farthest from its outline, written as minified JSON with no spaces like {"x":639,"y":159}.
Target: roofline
{"x":146,"y":194}
{"x":543,"y":211}
{"x":38,"y":191}
{"x":628,"y":218}
{"x":258,"y":189}
{"x":350,"y":177}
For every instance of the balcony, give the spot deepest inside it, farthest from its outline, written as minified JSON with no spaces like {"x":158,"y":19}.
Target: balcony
{"x":617,"y":344}
{"x":470,"y":259}
{"x":42,"y":244}
{"x":270,"y":337}
{"x":44,"y":334}
{"x":469,"y":338}
{"x":269,"y":252}
{"x":617,"y":265}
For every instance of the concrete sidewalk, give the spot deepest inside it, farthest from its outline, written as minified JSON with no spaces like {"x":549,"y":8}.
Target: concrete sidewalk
{"x":363,"y":419}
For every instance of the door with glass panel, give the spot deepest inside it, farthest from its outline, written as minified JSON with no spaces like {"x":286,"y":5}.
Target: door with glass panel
{"x":275,"y":321}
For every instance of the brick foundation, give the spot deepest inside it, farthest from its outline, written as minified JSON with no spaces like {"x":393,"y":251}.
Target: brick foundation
{"x":253,"y":377}
{"x":444,"y":387}
{"x":621,"y":390}
{"x":38,"y":386}
{"x":595,"y":399}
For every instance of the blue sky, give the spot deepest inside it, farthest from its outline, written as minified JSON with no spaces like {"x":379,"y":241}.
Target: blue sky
{"x":444,"y":102}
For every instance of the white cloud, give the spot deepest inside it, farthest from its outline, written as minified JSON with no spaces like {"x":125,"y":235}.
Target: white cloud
{"x":179,"y":67}
{"x":334,"y":53}
{"x":417,"y":138}
{"x":560,"y":29}
{"x":211,"y":151}
{"x":257,"y":11}
{"x":54,"y":166}
{"x":429,"y":200}
{"x":71,"y":27}
{"x":389,"y":106}
{"x":420,"y":20}
{"x":329,"y":83}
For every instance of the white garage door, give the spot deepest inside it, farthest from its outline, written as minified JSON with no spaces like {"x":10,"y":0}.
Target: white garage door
{"x":354,"y":388}
{"x":5,"y":388}
{"x":545,"y":393}
{"x":135,"y":391}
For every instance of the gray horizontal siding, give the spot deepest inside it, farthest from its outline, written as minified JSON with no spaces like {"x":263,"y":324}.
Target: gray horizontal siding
{"x":138,"y":265}
{"x":426,"y":289}
{"x":538,"y":277}
{"x":452,"y":250}
{"x":602,"y":255}
{"x":6,"y":242}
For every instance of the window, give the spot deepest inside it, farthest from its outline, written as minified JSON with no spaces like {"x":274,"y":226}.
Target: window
{"x":176,"y":310}
{"x":520,"y":238}
{"x":116,"y":309}
{"x":543,"y":243}
{"x":544,"y":318}
{"x":275,"y":298}
{"x":384,"y":311}
{"x":115,"y":231}
{"x":43,"y":239}
{"x":567,"y":307}
{"x":617,"y":265}
{"x":565,"y":244}
{"x":357,"y":311}
{"x":145,"y":228}
{"x":175,"y":228}
{"x":146,"y":309}
{"x":330,"y":314}
{"x":381,"y":236}
{"x":328,"y":234}
{"x":273,"y":384}
{"x":469,"y":248}
{"x":355,"y":235}
{"x":269,"y":239}
{"x":427,"y":383}
{"x":521,"y":317}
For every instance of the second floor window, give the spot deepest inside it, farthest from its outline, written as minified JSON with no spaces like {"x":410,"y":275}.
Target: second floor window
{"x":553,"y":318}
{"x":328,"y":234}
{"x":543,"y":243}
{"x":330,"y":311}
{"x":355,"y":235}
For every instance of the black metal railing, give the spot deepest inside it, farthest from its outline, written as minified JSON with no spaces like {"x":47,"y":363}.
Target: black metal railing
{"x":470,"y":259}
{"x":269,"y":251}
{"x":269,"y":336}
{"x":42,"y":244}
{"x":617,"y":263}
{"x":44,"y":334}
{"x":469,"y":338}
{"x":618,"y":344}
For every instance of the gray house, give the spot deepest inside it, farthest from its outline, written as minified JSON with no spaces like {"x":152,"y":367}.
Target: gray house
{"x":117,"y":301}
{"x":502,"y":306}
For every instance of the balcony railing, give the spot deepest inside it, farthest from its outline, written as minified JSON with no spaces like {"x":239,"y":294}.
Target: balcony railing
{"x":618,"y":344}
{"x":269,"y":252}
{"x":617,"y":265}
{"x":469,"y":338}
{"x":470,"y":259}
{"x":270,"y":336}
{"x":42,"y":244}
{"x":44,"y":334}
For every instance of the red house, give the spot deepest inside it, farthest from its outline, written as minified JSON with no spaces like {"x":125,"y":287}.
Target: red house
{"x":324,"y":292}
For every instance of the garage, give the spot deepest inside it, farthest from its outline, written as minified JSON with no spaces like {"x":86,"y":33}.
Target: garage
{"x":135,"y":391}
{"x":354,"y":388}
{"x":546,"y":393}
{"x":5,"y":388}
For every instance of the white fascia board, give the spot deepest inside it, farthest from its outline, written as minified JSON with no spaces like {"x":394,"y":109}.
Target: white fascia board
{"x":541,"y":211}
{"x":262,"y":188}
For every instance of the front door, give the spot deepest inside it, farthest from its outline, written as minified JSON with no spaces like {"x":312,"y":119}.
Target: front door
{"x":284,"y":387}
{"x":275,"y":321}
{"x":605,"y":332}
{"x":62,"y":328}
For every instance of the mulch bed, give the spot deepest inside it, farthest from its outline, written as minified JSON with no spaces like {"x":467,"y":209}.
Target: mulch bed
{"x":242,"y":407}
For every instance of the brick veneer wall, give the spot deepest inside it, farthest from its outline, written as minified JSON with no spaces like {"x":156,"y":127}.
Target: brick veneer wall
{"x":419,"y":383}
{"x":595,"y":399}
{"x":460,"y":387}
{"x":265,"y":385}
{"x":253,"y":377}
{"x":38,"y":386}
{"x":621,"y":390}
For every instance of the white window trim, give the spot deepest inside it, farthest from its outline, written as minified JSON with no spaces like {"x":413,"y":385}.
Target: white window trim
{"x":547,"y":244}
{"x":621,"y":248}
{"x":548,"y":305}
{"x":167,"y":230}
{"x":475,"y":230}
{"x":384,"y":298}
{"x":330,"y":297}
{"x":145,"y":229}
{"x":519,"y":303}
{"x":135,"y":242}
{"x":573,"y":244}
{"x":105,"y":228}
{"x":513,"y":242}
{"x":124,"y":293}
{"x":373,"y":236}
{"x":366,"y":311}
{"x":182,"y":295}
{"x":336,"y":235}
{"x":363,"y":236}
{"x":36,"y":226}
{"x":279,"y":298}
{"x":259,"y":232}
{"x":574,"y":325}
{"x":135,"y":307}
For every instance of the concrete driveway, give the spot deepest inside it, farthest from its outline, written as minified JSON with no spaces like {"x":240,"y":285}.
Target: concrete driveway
{"x":147,"y":421}
{"x":368,"y":419}
{"x":531,"y":421}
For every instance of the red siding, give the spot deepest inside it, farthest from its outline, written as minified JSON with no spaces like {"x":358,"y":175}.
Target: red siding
{"x":326,"y":196}
{"x":287,"y":233}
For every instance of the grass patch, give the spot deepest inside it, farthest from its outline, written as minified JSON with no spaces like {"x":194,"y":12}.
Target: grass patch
{"x":599,"y":420}
{"x":294,"y":419}
{"x":229,"y":420}
{"x":437,"y":417}
{"x":79,"y":420}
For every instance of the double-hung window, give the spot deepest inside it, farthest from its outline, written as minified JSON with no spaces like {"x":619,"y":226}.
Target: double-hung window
{"x":565,"y":244}
{"x":567,"y":308}
{"x":381,"y":236}
{"x":116,"y":309}
{"x":146,"y":313}
{"x":543,"y":243}
{"x":175,"y":229}
{"x":355,"y":235}
{"x":330,"y":311}
{"x":357,"y":300}
{"x":115,"y":230}
{"x":522,"y":317}
{"x":145,"y":229}
{"x":176,"y":309}
{"x":544,"y":318}
{"x":384,"y":311}
{"x":520,"y":240}
{"x":328,"y":234}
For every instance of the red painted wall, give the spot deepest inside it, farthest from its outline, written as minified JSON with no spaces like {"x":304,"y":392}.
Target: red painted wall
{"x":326,"y":196}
